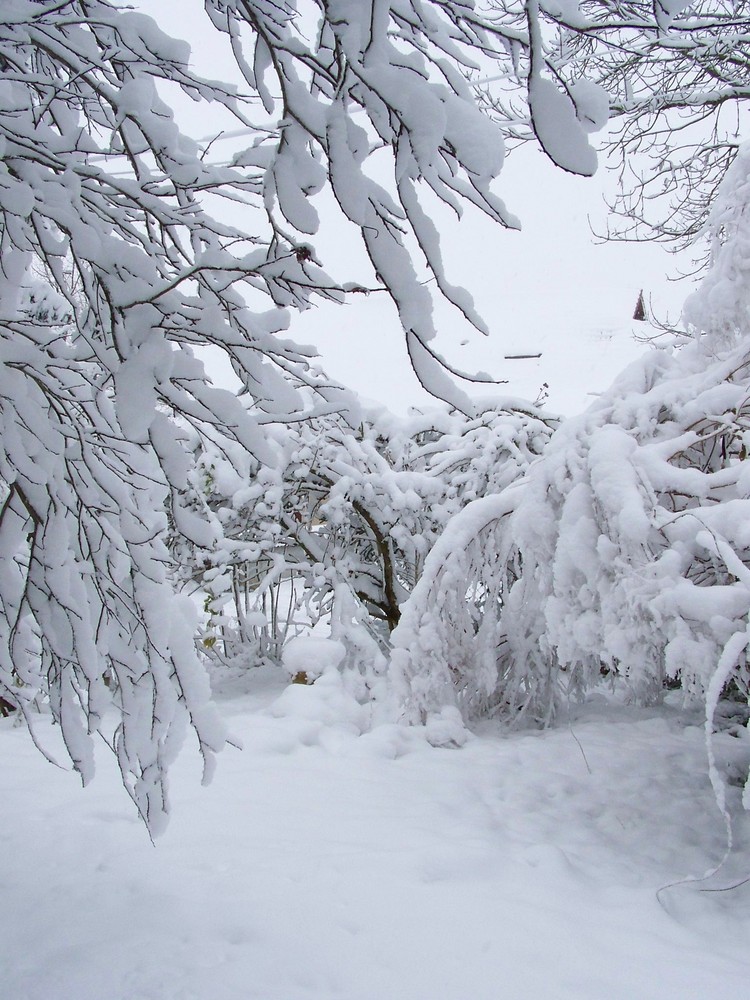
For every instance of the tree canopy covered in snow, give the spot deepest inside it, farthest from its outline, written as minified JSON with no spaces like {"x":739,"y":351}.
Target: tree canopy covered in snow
{"x":673,"y":78}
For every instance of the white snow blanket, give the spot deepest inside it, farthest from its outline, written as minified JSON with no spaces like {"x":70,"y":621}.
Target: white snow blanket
{"x":323,"y":864}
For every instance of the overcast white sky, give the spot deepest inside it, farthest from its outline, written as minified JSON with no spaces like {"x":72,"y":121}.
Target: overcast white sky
{"x":552,"y":288}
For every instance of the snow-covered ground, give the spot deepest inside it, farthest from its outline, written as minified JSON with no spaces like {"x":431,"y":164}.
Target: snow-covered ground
{"x":326,"y":865}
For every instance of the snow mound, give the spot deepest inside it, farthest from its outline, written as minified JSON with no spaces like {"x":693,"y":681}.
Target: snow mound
{"x":308,"y":657}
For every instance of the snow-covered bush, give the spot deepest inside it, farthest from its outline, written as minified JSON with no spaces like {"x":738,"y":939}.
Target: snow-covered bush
{"x":445,"y":648}
{"x":625,"y":551}
{"x":340,"y":525}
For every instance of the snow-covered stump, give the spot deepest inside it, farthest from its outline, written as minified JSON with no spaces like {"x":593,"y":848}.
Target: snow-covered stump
{"x":306,"y":658}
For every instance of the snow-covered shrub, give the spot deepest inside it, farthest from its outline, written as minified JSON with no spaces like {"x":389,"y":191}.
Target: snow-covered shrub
{"x":445,"y":649}
{"x":633,"y":533}
{"x":626,"y":549}
{"x":340,"y":526}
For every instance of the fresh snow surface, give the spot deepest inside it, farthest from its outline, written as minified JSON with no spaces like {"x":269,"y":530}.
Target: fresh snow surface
{"x":322,"y":864}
